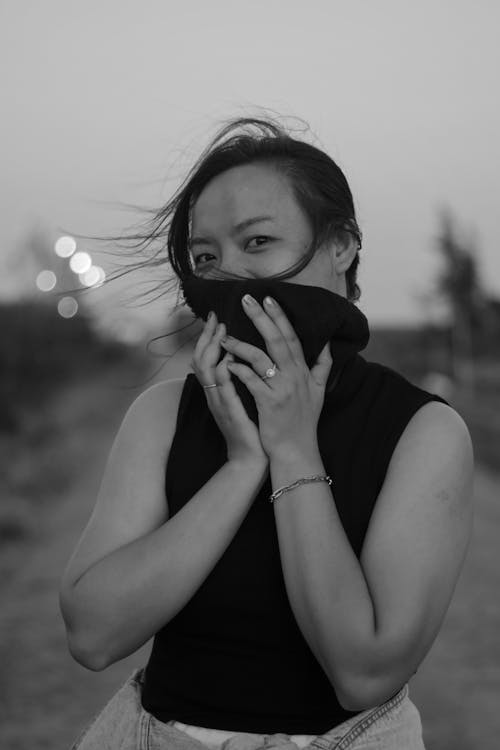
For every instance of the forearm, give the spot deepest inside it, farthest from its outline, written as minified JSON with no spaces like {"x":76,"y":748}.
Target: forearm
{"x":325,"y":583}
{"x":124,"y":599}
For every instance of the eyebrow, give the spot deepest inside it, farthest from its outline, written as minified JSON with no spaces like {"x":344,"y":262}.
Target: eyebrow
{"x":237,"y":228}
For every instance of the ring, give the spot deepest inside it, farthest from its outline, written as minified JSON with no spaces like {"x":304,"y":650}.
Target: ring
{"x":271,"y":372}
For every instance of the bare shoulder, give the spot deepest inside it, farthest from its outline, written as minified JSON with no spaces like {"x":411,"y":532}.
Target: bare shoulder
{"x":431,"y":471}
{"x":438,"y":437}
{"x":434,"y":421}
{"x":170,"y":386}
{"x":161,"y":400}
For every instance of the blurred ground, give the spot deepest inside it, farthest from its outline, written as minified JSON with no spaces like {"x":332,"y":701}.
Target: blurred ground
{"x":46,"y":698}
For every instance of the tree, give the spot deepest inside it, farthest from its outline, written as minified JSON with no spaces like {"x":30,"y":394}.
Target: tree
{"x":459,"y":285}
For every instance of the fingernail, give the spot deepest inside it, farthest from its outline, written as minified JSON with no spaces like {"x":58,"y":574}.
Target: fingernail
{"x":210,"y":316}
{"x":249,"y":299}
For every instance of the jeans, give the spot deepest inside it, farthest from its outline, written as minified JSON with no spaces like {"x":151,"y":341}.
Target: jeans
{"x":123,"y":724}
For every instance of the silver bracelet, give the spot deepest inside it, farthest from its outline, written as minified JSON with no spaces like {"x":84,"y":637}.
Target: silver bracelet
{"x":316,"y":478}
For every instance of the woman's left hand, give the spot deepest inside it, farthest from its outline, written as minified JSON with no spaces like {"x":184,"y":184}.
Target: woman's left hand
{"x":289,"y":404}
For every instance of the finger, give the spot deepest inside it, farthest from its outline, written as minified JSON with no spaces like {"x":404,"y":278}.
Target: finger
{"x":258,"y":358}
{"x":221,"y":377}
{"x":205,"y":336}
{"x":276,"y":342}
{"x":222,"y":374}
{"x":208,"y":353}
{"x":226,"y":391}
{"x":253,"y":382}
{"x":321,"y":370}
{"x":277,"y":315}
{"x":211,"y":353}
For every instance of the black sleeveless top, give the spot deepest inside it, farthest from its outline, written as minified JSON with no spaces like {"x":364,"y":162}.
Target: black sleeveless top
{"x":234,"y":657}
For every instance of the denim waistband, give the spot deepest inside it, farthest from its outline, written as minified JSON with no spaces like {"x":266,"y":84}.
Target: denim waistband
{"x":340,"y":736}
{"x":215,"y":737}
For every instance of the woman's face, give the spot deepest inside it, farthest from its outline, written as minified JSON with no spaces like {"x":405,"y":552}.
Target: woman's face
{"x":263,"y":247}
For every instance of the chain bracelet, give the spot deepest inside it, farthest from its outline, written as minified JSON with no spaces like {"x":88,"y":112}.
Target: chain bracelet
{"x":286,"y":488}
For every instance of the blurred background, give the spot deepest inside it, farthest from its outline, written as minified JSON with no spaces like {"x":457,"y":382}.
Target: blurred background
{"x":112,"y":102}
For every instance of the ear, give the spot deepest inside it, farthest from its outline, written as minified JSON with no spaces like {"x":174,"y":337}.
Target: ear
{"x":345,"y":250}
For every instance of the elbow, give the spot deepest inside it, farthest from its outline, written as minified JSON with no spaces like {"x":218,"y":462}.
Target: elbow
{"x":362,"y":694}
{"x":349,"y":699}
{"x":81,"y":649}
{"x":354,"y":700}
{"x":348,"y":692}
{"x":373,"y":678}
{"x":87,"y":657}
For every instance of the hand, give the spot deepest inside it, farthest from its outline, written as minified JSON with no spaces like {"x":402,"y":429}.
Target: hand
{"x":241,"y":434}
{"x":289,"y":404}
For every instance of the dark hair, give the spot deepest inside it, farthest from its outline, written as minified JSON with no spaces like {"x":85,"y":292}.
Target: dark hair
{"x":318,"y":184}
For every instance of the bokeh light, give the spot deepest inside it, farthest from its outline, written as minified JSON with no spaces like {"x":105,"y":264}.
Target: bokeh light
{"x":65,"y":247}
{"x":80,"y":262}
{"x":46,"y":280}
{"x":67,"y":307}
{"x":93,"y":277}
{"x":90,"y":277}
{"x":102,"y":276}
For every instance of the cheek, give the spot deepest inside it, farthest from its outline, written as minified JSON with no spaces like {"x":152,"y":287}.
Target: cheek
{"x":318,"y":269}
{"x":281,"y":258}
{"x":261,"y":267}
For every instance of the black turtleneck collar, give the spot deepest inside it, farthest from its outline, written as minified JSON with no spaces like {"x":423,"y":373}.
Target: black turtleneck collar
{"x":316,"y":314}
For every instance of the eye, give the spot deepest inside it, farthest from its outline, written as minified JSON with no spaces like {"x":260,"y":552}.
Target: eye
{"x":197,"y":259}
{"x":257,"y":237}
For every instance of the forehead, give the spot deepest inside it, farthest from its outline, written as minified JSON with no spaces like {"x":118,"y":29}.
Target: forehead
{"x":241,"y":192}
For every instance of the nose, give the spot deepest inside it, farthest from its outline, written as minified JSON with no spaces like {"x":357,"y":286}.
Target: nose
{"x":231,"y":269}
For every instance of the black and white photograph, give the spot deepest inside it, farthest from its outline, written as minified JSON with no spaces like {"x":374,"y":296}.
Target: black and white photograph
{"x":250,"y":375}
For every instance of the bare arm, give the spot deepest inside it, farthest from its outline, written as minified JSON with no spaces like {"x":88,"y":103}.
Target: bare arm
{"x":121,"y":600}
{"x":125,"y":598}
{"x":370,"y":622}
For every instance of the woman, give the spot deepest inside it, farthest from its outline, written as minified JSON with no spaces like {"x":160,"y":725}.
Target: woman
{"x":295,"y":561}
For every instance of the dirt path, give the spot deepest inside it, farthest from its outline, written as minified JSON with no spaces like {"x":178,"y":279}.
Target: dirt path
{"x":457,"y":687}
{"x":46,"y":698}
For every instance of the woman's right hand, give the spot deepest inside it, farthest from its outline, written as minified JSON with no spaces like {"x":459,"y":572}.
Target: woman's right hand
{"x":241,"y":434}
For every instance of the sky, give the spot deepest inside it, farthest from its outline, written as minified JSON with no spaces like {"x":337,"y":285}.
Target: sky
{"x":112,"y":101}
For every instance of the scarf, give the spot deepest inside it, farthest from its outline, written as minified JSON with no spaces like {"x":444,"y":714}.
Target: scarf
{"x":316,"y":314}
